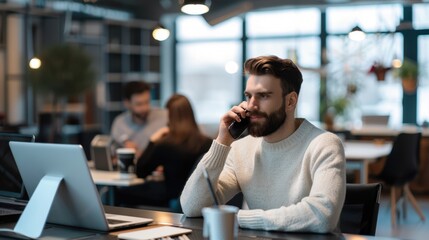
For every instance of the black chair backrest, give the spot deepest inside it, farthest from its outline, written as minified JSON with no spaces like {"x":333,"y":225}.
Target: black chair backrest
{"x":402,"y":163}
{"x":360,"y":211}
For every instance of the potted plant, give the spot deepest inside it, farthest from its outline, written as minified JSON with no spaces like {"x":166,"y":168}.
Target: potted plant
{"x":408,"y":73}
{"x":335,"y":110}
{"x":65,"y":72}
{"x":379,"y":70}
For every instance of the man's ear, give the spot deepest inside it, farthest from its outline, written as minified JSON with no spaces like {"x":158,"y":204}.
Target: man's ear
{"x":291,"y":101}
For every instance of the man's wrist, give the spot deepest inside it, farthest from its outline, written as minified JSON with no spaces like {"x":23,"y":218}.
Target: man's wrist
{"x":224,"y":141}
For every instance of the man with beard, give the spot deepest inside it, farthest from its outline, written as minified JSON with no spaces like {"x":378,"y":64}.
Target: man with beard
{"x":291,"y":174}
{"x":134,"y":127}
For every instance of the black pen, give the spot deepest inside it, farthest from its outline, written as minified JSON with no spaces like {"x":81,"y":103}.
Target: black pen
{"x":206,"y":175}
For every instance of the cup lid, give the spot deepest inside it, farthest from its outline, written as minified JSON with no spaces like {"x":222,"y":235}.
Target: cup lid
{"x":125,"y":151}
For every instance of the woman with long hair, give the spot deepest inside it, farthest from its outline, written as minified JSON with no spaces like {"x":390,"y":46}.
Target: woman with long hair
{"x":176,"y":149}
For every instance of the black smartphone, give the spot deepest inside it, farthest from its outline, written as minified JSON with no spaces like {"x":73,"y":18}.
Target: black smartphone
{"x":236,"y":129}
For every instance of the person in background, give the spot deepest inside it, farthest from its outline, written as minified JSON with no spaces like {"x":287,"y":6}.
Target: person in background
{"x":291,"y":173}
{"x":133,"y":128}
{"x":177,"y":148}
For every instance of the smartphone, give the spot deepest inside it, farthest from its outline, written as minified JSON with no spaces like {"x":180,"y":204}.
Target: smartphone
{"x":236,"y":129}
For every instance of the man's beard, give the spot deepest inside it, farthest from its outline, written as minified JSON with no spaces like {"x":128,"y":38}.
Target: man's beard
{"x":139,"y":116}
{"x":272,"y":123}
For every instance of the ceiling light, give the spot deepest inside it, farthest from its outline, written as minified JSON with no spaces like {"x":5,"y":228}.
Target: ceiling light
{"x":195,"y":7}
{"x":160,"y":33}
{"x":35,"y":63}
{"x":356,"y":34}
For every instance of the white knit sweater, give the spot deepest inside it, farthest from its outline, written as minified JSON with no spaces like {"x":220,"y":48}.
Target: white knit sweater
{"x":297,"y":184}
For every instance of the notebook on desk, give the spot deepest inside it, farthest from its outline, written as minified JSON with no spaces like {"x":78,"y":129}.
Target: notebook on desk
{"x":76,"y":201}
{"x":12,"y":191}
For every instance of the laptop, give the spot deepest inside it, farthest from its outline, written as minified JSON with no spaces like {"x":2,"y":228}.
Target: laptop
{"x":101,"y":153}
{"x":13,"y":196}
{"x":375,"y":119}
{"x":76,"y":202}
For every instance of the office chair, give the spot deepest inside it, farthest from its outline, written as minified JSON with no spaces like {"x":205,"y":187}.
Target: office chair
{"x":400,"y":168}
{"x":360,"y":211}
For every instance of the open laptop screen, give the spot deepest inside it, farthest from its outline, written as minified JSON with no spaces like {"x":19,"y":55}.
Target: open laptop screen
{"x":10,"y":180}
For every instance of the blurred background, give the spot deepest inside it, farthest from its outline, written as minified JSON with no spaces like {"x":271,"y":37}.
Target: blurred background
{"x":345,"y":79}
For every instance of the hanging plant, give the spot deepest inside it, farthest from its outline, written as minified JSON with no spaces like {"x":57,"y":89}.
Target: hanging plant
{"x":379,"y":70}
{"x":408,"y":73}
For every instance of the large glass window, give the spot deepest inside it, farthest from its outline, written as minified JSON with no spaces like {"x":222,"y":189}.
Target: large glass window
{"x":353,"y":66}
{"x":373,"y":18}
{"x":210,"y":75}
{"x":209,"y":72}
{"x":283,"y":22}
{"x":209,"y":58}
{"x":196,"y":28}
{"x":420,"y":16}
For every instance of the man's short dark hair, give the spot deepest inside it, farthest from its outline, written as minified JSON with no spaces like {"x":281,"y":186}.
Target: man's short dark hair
{"x":284,"y":69}
{"x":134,"y":87}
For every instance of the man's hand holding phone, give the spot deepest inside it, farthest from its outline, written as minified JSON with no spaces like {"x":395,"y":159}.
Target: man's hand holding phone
{"x":233,"y":124}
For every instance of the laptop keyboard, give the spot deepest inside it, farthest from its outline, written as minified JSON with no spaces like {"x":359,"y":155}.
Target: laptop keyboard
{"x":115,"y":221}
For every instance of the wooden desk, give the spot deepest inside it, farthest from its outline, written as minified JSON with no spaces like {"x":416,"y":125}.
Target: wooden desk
{"x":179,"y":220}
{"x":196,"y":224}
{"x":111,"y":180}
{"x":360,"y":153}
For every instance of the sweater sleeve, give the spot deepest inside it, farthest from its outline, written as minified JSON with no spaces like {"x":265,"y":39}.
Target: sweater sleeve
{"x":318,"y":212}
{"x":196,"y":194}
{"x":147,"y":161}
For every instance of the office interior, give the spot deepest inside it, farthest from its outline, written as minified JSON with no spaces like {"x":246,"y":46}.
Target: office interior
{"x":346,"y":82}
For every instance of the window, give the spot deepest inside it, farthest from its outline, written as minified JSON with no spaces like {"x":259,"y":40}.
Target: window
{"x":377,"y":18}
{"x":209,"y":72}
{"x":420,"y":15}
{"x":349,"y":62}
{"x":196,"y":28}
{"x":283,"y":22}
{"x":206,"y":55}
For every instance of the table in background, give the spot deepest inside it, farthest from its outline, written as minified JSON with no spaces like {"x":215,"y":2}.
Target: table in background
{"x":112,"y":180}
{"x":360,"y":153}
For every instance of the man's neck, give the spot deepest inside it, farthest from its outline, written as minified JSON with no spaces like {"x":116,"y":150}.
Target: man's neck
{"x":137,"y":120}
{"x":285,"y":130}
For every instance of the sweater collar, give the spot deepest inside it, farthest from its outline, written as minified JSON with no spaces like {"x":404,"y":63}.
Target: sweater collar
{"x":295,"y":138}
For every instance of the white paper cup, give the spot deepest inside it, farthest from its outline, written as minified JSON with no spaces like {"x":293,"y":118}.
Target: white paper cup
{"x":220,"y":223}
